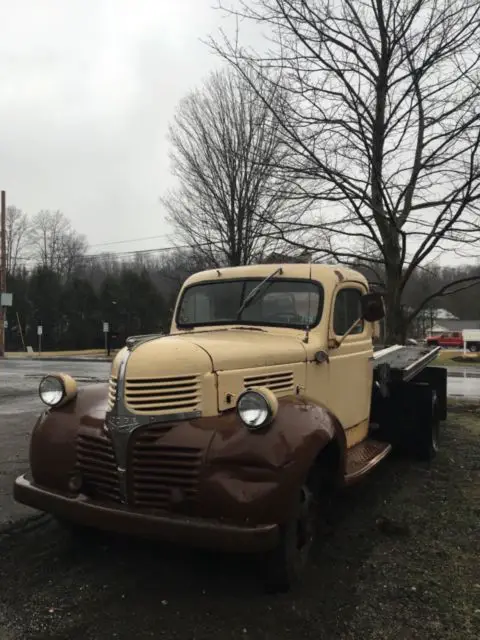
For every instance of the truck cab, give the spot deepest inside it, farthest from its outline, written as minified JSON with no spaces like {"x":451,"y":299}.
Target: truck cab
{"x":228,"y":431}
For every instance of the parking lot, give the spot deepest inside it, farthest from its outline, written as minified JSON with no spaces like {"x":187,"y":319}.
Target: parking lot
{"x":418,"y":578}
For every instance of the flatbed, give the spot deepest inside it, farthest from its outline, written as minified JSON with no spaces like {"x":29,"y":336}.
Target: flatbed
{"x":403,"y":362}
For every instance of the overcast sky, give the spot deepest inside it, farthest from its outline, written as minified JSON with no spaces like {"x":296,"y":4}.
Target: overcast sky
{"x":88,"y":88}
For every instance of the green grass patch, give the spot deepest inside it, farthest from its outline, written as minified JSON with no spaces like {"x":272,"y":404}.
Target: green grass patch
{"x":455,"y":358}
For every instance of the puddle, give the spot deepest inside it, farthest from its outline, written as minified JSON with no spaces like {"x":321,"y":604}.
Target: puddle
{"x":463,"y":374}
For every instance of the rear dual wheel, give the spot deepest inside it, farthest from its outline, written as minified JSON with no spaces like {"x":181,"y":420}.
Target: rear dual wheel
{"x":427,"y":432}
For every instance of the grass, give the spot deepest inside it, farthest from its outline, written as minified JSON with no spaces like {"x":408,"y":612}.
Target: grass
{"x":448,"y":358}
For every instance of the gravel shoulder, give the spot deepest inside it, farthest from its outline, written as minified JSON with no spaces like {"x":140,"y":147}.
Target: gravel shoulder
{"x":397,"y":559}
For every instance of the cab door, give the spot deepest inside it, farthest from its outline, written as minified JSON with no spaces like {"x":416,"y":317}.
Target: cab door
{"x":350,"y":376}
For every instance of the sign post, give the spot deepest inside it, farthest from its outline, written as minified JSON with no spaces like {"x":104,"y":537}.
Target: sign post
{"x":106,"y":329}
{"x":6,"y":300}
{"x":39,"y":334}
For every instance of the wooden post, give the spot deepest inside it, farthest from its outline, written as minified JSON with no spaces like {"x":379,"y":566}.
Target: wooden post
{"x":21,"y":332}
{"x":3,"y":269}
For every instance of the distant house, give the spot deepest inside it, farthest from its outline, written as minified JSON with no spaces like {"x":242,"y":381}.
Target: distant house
{"x":443,"y":314}
{"x":444,"y":326}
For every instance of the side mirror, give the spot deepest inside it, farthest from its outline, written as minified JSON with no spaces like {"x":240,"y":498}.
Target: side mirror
{"x":372,"y":307}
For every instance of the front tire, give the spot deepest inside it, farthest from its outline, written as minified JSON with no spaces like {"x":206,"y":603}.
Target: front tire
{"x":286,"y":563}
{"x":473,"y":348}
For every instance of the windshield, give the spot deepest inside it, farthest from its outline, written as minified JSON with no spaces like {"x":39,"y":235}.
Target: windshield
{"x":280,"y":302}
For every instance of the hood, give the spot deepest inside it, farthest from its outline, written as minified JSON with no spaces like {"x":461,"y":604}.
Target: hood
{"x":166,"y":356}
{"x":245,"y":349}
{"x":210,"y":351}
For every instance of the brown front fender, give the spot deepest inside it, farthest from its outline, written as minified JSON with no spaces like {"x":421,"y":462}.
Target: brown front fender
{"x":52,"y":445}
{"x":255,"y":476}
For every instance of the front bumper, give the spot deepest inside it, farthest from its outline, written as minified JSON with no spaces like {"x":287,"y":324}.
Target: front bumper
{"x":196,"y":532}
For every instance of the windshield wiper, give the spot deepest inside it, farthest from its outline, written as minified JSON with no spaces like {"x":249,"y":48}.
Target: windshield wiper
{"x":253,"y":293}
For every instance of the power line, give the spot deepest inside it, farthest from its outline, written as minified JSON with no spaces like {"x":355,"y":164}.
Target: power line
{"x":105,"y":244}
{"x":148,"y":251}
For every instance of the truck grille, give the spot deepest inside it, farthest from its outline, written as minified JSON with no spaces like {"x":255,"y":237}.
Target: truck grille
{"x":282,"y":381}
{"x":159,"y":476}
{"x":162,"y":475}
{"x":180,"y":394}
{"x":96,"y":463}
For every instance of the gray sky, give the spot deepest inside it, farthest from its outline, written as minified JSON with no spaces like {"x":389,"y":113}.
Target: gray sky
{"x":88,"y":90}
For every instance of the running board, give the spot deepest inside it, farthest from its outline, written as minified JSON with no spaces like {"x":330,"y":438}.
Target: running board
{"x":363,"y":457}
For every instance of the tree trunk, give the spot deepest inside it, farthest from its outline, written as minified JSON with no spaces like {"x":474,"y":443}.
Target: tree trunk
{"x":395,"y":327}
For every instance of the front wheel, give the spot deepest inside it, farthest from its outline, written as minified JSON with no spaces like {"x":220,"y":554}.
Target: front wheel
{"x":286,"y":563}
{"x":473,"y":348}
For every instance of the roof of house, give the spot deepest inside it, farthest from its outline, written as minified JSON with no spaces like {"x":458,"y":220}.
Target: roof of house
{"x":443,"y":314}
{"x":456,"y":325}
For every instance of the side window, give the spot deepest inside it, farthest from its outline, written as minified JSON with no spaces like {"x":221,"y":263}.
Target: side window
{"x":347,"y":310}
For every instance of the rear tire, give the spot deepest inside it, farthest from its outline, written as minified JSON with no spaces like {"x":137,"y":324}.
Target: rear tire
{"x":473,"y":348}
{"x":427,"y":431}
{"x":285,"y":564}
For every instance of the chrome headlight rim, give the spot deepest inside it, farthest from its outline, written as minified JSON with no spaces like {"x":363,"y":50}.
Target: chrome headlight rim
{"x":66,"y":389}
{"x":267,"y":404}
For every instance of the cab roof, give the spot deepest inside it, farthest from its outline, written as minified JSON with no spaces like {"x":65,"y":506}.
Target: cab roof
{"x":318,"y":272}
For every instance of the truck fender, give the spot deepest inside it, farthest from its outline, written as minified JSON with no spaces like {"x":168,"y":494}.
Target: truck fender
{"x":53,"y":440}
{"x":257,"y":475}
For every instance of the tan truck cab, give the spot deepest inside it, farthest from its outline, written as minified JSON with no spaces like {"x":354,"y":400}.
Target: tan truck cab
{"x":228,"y":431}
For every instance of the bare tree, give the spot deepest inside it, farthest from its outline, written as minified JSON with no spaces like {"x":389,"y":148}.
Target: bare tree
{"x":382,"y":121}
{"x":16,"y":237}
{"x":55,"y":244}
{"x":225,"y":151}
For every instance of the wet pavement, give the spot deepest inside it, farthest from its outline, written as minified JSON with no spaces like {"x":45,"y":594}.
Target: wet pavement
{"x":464,"y":382}
{"x":19,"y":408}
{"x":19,"y":380}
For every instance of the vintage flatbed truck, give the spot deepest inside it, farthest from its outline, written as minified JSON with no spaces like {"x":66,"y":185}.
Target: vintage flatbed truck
{"x":230,"y":431}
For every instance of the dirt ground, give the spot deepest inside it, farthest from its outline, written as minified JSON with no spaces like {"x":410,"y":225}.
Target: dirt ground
{"x":368,"y":579}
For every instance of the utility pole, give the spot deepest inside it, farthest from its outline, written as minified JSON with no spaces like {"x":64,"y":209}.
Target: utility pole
{"x":3,"y":270}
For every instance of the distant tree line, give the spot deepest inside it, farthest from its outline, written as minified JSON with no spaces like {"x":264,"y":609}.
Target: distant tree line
{"x":55,"y":284}
{"x":71,"y":294}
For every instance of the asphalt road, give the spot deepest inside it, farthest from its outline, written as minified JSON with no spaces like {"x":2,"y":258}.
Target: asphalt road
{"x":55,"y":587}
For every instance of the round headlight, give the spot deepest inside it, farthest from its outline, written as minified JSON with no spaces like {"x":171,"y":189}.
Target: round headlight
{"x":51,"y":390}
{"x":255,"y":409}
